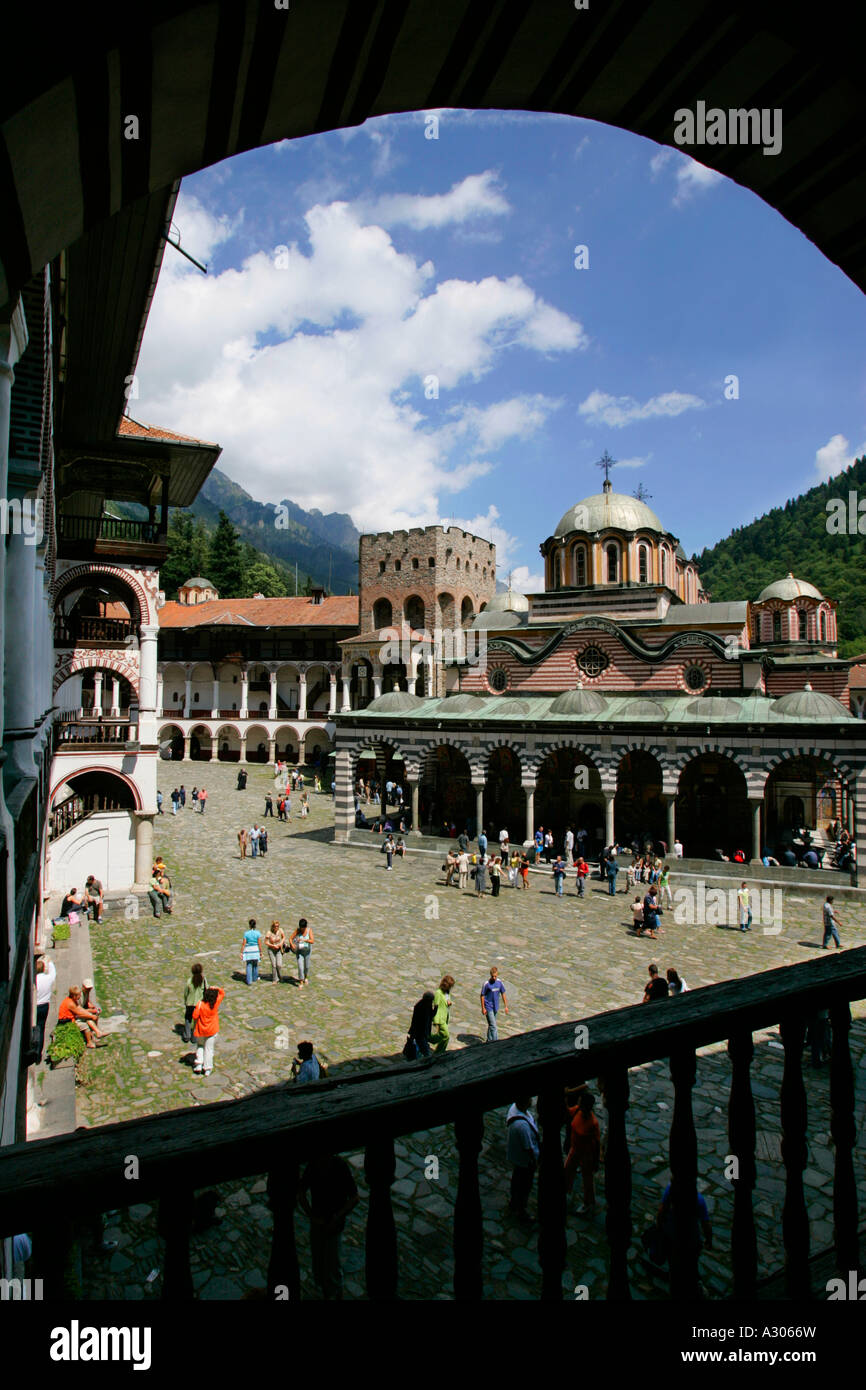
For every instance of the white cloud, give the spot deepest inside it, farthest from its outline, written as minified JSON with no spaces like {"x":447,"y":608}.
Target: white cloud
{"x":524,"y":581}
{"x":475,"y":196}
{"x":691,"y":177}
{"x":488,"y":526}
{"x":616,"y":411}
{"x":835,"y":456}
{"x":312,"y":376}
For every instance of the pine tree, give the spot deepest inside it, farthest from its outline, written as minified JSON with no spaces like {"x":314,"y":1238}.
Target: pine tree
{"x":226,"y":560}
{"x":180,"y":564}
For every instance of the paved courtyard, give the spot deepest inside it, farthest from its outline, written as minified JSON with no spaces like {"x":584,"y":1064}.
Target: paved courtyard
{"x":381,"y":939}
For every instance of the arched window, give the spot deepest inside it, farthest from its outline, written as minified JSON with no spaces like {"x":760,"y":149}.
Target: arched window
{"x":777,"y":626}
{"x":557,"y":571}
{"x":382,"y":613}
{"x":579,"y":566}
{"x":643,"y":564}
{"x":612,"y":553}
{"x":664,"y":556}
{"x":823,"y":627}
{"x":801,"y":624}
{"x":756,"y":627}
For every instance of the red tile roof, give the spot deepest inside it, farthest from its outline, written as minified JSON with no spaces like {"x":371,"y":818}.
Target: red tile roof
{"x":136,"y":430}
{"x":339,"y":611}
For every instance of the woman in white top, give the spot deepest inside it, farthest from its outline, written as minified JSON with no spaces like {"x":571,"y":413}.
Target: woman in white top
{"x":675,"y":984}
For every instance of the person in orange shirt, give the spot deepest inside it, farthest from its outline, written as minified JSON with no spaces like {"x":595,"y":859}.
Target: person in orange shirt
{"x":585,"y":1151}
{"x":71,"y":1011}
{"x":207,"y":1026}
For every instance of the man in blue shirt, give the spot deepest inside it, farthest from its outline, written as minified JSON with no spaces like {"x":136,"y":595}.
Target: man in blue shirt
{"x":491,"y":992}
{"x":482,"y":843}
{"x":522,"y":1151}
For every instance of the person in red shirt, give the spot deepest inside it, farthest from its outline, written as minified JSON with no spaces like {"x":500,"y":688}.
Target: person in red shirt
{"x":71,"y":1011}
{"x":585,"y":1150}
{"x":582,"y":871}
{"x":207,"y":1026}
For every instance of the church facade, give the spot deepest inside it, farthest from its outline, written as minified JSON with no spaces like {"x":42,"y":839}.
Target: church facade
{"x":622,"y":699}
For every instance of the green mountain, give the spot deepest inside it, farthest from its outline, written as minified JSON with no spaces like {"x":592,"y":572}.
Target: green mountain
{"x":812,"y":536}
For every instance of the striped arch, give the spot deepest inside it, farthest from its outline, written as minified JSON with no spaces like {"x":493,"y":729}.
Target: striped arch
{"x":98,"y":661}
{"x":101,"y":768}
{"x":775,"y":760}
{"x":739,"y":758}
{"x":228,"y":725}
{"x":654,"y":750}
{"x":570,"y":743}
{"x":85,"y":574}
{"x":492,"y":745}
{"x":377,"y":744}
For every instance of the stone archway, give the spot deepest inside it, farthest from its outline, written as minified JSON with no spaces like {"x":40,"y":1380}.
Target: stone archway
{"x":713,"y":807}
{"x":639,"y":811}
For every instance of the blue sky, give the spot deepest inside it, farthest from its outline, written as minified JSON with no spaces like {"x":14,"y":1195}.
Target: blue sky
{"x":354,"y":275}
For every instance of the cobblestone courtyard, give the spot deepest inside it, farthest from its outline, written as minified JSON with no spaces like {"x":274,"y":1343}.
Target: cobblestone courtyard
{"x":381,"y":939}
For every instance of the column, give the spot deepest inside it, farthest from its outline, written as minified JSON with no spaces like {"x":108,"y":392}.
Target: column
{"x":147,"y":669}
{"x":97,"y":692}
{"x":672,"y":822}
{"x":431,"y":676}
{"x":187,"y":697}
{"x":245,"y":695}
{"x":347,"y":695}
{"x":143,"y":845}
{"x":272,"y":698}
{"x":215,"y":697}
{"x":302,"y":692}
{"x":115,"y":696}
{"x":272,"y":748}
{"x":377,"y":684}
{"x":332,"y":692}
{"x":756,"y":802}
{"x":609,"y":798}
{"x":479,"y":805}
{"x":529,"y":788}
{"x":414,"y":787}
{"x":344,"y":804}
{"x":160,"y":693}
{"x":186,"y":743}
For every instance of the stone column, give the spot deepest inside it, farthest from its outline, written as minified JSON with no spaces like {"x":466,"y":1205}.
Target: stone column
{"x":332,"y":692}
{"x":529,"y":788}
{"x":347,"y":695}
{"x":431,"y":676}
{"x":160,"y":693}
{"x":609,"y":798}
{"x":672,"y":822}
{"x":479,"y":805}
{"x":143,"y":846}
{"x":115,"y":696}
{"x":215,"y":698}
{"x":756,"y":802}
{"x":186,"y":743}
{"x":272,"y":748}
{"x":377,"y":684}
{"x":344,"y":805}
{"x":245,"y":694}
{"x":97,"y":692}
{"x":272,"y":698}
{"x":302,"y":692}
{"x":147,"y":668}
{"x":414,"y":787}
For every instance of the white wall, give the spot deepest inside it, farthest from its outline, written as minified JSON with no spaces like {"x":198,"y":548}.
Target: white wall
{"x":103,"y":845}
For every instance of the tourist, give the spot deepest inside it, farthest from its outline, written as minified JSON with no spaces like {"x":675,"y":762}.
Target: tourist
{"x":269,"y":805}
{"x":678,"y":849}
{"x":582,"y":873}
{"x":263,"y":841}
{"x":524,"y":870}
{"x":450,"y":867}
{"x":400,"y":848}
{"x":495,"y":875}
{"x":652,"y":913}
{"x":580,"y":841}
{"x":302,"y":946}
{"x":819,"y":1037}
{"x":568,"y":846}
{"x":93,"y":899}
{"x":655,"y":988}
{"x":441,"y":1011}
{"x":482,"y":843}
{"x":70,"y":905}
{"x":559,"y":875}
{"x":244,"y":842}
{"x":612,"y":870}
{"x":275,"y":941}
{"x":281,"y":808}
{"x":522,"y":1151}
{"x":637,"y":915}
{"x":744,"y":907}
{"x":87,"y":997}
{"x":242,"y":780}
{"x":675,"y":984}
{"x":202,"y":800}
{"x":207,"y":1025}
{"x":481,"y":875}
{"x":46,"y":976}
{"x":463,"y":842}
{"x":514,"y":869}
{"x":503,"y":846}
{"x":306,"y":1067}
{"x":193,"y":994}
{"x":658,"y":1240}
{"x":72,"y":1011}
{"x":831,"y":923}
{"x":631,"y":874}
{"x":584,"y":1151}
{"x":159,"y":810}
{"x":159,"y":894}
{"x":175,"y":801}
{"x":548,"y":845}
{"x":664,"y":882}
{"x":539,"y":842}
{"x":462,"y":869}
{"x":388,"y":851}
{"x":255,"y":837}
{"x":251,"y":952}
{"x":491,"y":992}
{"x":418,"y":1037}
{"x":305,"y":805}
{"x":182,"y":795}
{"x":327,"y":1194}
{"x":194,"y":798}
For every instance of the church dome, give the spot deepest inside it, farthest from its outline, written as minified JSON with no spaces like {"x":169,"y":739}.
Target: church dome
{"x":714,"y":707}
{"x":578,"y":701}
{"x":609,"y":509}
{"x":643,"y":708}
{"x":461,"y":704}
{"x":788,"y":589}
{"x":509,"y":601}
{"x":395,"y":702}
{"x":810,"y":704}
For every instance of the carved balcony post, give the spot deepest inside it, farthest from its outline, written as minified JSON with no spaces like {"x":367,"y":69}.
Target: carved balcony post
{"x":844,"y":1132}
{"x":468,"y":1230}
{"x":551,"y":1195}
{"x":795,"y":1218}
{"x":684,"y":1175}
{"x":283,"y":1270}
{"x":381,"y":1238}
{"x":741,"y":1134}
{"x":617,"y":1181}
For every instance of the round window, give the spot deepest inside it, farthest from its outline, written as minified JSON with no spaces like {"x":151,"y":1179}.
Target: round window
{"x":592,"y":661}
{"x":695,"y":677}
{"x":498,"y":678}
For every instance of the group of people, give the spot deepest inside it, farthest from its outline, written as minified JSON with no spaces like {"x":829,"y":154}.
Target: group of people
{"x":662,"y":986}
{"x":429,"y":1029}
{"x":253,"y":842}
{"x":91,"y":903}
{"x":78,"y":1007}
{"x":160,"y":892}
{"x":198,"y":799}
{"x":300,"y":945}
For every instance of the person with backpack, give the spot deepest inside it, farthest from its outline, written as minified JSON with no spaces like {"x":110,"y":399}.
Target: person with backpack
{"x":206,"y":1030}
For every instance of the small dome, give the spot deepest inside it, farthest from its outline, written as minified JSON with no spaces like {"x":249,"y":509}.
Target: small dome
{"x":498,"y":618}
{"x":789,"y":588}
{"x":509,"y":601}
{"x":645,"y":709}
{"x":197,"y":583}
{"x":810,"y":704}
{"x":578,"y":701}
{"x":510,"y":709}
{"x":462,"y":704}
{"x":609,"y":509}
{"x":395,"y":701}
{"x":712,"y":707}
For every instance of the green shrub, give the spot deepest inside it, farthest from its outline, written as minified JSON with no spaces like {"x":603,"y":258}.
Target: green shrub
{"x":62,"y":931}
{"x":67,"y":1042}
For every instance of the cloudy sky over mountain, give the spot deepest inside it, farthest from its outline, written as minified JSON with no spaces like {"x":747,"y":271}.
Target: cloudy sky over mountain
{"x":405,"y":329}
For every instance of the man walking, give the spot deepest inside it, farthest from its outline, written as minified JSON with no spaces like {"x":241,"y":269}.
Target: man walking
{"x":482,"y":844}
{"x":744,"y":907}
{"x":559,"y":875}
{"x":522,"y":1151}
{"x":582,"y":872}
{"x":159,"y":810}
{"x":255,"y":836}
{"x":175,"y":801}
{"x":569,"y":845}
{"x":269,"y":805}
{"x":612,"y":871}
{"x":831,"y":924}
{"x":491,"y":992}
{"x":182,"y":795}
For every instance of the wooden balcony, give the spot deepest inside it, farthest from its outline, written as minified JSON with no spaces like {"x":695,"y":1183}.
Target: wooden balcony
{"x":83,"y":730}
{"x":94,"y":537}
{"x":98,"y":632}
{"x":47,"y":1185}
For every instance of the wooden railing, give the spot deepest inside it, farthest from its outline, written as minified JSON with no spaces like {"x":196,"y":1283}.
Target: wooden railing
{"x":68,"y":632}
{"x":100,"y":731}
{"x":108,"y":528}
{"x":46,"y":1185}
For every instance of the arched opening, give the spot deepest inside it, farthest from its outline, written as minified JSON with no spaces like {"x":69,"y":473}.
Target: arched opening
{"x":568,"y":784}
{"x":556,"y":571}
{"x":383,"y":613}
{"x":394,"y":677}
{"x":446,"y":796}
{"x":414,"y":611}
{"x":200,"y":744}
{"x":96,"y":608}
{"x":170,"y":739}
{"x":228,"y":743}
{"x":229,"y":683}
{"x":663,"y":556}
{"x":611,"y":553}
{"x":504,"y":797}
{"x":256,"y":744}
{"x":639,"y":813}
{"x":446,"y":610}
{"x":803,"y":793}
{"x":777,"y":626}
{"x":713,"y":808}
{"x":361,"y":683}
{"x":823,"y":626}
{"x":317,"y":746}
{"x":287,"y":746}
{"x":467,"y":612}
{"x":96,"y":691}
{"x":99,"y":791}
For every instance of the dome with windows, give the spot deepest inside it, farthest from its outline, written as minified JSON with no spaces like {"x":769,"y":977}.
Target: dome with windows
{"x":788,"y":589}
{"x":605,"y":510}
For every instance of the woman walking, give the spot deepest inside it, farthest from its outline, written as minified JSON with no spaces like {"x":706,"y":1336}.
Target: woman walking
{"x":441,"y":1008}
{"x":481,"y":875}
{"x":302,"y":945}
{"x":275,"y":940}
{"x":193,"y":994}
{"x":665,"y":886}
{"x":495,"y":876}
{"x":524,"y":870}
{"x":462,"y":869}
{"x":244,"y":842}
{"x":251,"y":953}
{"x":585,"y":1150}
{"x":207,"y":1026}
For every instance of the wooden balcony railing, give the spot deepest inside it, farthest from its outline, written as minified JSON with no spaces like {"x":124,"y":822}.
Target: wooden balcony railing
{"x":100,"y":731}
{"x":68,"y":632}
{"x":66,"y":814}
{"x":108,"y":528}
{"x":48,"y":1184}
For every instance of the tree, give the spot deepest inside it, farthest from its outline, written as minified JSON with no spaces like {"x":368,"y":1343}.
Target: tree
{"x":181,"y":562}
{"x":226,"y":560}
{"x":261,"y":578}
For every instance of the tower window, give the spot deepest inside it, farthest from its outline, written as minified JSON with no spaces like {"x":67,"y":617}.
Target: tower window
{"x":612,"y":554}
{"x":381,"y":566}
{"x":643,"y":565}
{"x":580,"y":566}
{"x":801,"y":624}
{"x":397,"y":565}
{"x":823,"y":627}
{"x":777,"y":627}
{"x":557,"y":572}
{"x":431,"y":563}
{"x":664,"y":557}
{"x":414,"y":563}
